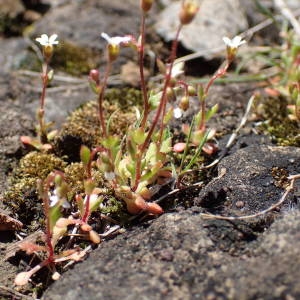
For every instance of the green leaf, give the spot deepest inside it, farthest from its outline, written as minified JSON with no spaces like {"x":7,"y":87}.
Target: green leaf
{"x":154,"y":100}
{"x":166,"y":145}
{"x":151,"y":154}
{"x":54,"y":215}
{"x":168,"y":116}
{"x":131,"y":148}
{"x":151,"y":175}
{"x":198,"y":152}
{"x":211,"y":112}
{"x":187,"y":144}
{"x":111,"y":142}
{"x":85,"y":155}
{"x":123,"y":171}
{"x":139,"y":136}
{"x":94,"y":205}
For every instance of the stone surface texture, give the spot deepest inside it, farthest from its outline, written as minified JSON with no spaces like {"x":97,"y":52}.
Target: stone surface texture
{"x":215,"y":20}
{"x":181,"y":255}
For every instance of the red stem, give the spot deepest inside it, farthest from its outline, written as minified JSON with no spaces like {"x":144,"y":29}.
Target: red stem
{"x":142,"y":75}
{"x":41,"y":112}
{"x":87,"y":209}
{"x":101,"y":98}
{"x":160,"y":110}
{"x":221,"y":72}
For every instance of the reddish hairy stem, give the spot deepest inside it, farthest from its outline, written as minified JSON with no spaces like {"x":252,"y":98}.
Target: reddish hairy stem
{"x":221,"y":72}
{"x":167,"y":80}
{"x":164,"y":92}
{"x":101,"y":98}
{"x":87,"y":209}
{"x":41,"y":112}
{"x":160,"y":110}
{"x":142,"y":75}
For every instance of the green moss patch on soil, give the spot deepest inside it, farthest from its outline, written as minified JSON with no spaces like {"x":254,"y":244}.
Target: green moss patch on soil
{"x":283,"y":130}
{"x":83,"y":127}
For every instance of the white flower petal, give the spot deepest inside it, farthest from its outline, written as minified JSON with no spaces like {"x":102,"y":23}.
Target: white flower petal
{"x":177,"y":113}
{"x":177,"y":70}
{"x":116,"y":40}
{"x":44,"y":40}
{"x":105,"y":36}
{"x":52,"y":39}
{"x":227,"y":41}
{"x":53,"y":200}
{"x":236,"y":42}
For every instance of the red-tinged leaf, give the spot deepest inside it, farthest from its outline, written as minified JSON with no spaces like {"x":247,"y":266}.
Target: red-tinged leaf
{"x":14,"y":248}
{"x":154,"y":209}
{"x":30,"y":247}
{"x":210,"y":148}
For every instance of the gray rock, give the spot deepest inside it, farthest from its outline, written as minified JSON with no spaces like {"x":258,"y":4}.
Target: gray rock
{"x":215,"y":20}
{"x":250,"y":176}
{"x":13,"y":52}
{"x":183,"y":256}
{"x":13,"y":123}
{"x":11,"y":8}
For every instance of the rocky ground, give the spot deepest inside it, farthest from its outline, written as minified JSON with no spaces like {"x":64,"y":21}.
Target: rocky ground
{"x":181,"y":254}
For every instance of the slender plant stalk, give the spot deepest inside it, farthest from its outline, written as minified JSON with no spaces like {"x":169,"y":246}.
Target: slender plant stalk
{"x":142,"y":75}
{"x":159,"y":113}
{"x":87,"y":209}
{"x":164,"y":92}
{"x":167,"y":80}
{"x":41,"y":112}
{"x":101,"y":98}
{"x":47,"y":214}
{"x":221,"y":72}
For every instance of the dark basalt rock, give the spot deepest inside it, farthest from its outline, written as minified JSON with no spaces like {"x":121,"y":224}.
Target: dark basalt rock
{"x":181,"y":255}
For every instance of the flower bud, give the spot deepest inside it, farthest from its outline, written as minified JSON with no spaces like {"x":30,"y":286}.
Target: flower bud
{"x":48,"y":51}
{"x":170,"y":94}
{"x":94,"y":75}
{"x":188,"y":11}
{"x":184,"y":103}
{"x":146,"y":5}
{"x":113,"y":52}
{"x":191,"y":91}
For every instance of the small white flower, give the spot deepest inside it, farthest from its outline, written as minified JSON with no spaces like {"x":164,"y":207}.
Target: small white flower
{"x":178,"y":69}
{"x":235,"y":43}
{"x":116,"y":40}
{"x":54,"y":199}
{"x":109,"y":175}
{"x":44,"y":40}
{"x":177,"y":113}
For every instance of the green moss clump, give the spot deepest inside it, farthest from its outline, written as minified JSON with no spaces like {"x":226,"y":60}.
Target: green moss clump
{"x":21,"y":196}
{"x":73,"y":59}
{"x":285,"y":133}
{"x":83,"y":127}
{"x":282,"y":129}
